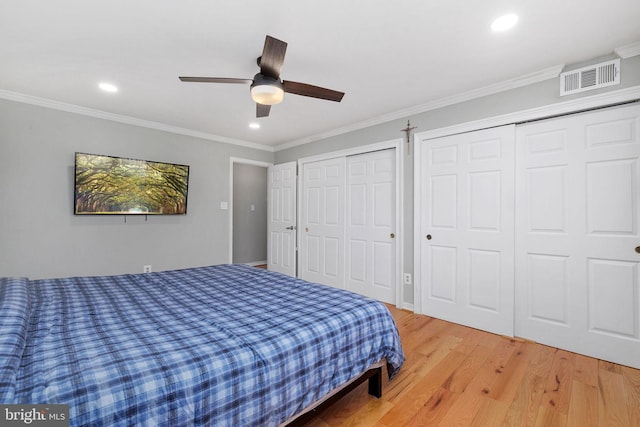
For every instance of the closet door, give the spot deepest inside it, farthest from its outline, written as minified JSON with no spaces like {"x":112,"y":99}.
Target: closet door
{"x":578,"y":215}
{"x":466,"y":229}
{"x":322,"y":224}
{"x":371,"y":221}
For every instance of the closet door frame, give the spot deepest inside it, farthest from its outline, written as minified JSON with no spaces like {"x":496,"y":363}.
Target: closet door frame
{"x":396,"y":144}
{"x":566,"y":107}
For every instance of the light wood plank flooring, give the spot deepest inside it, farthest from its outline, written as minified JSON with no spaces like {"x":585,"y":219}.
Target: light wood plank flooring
{"x":459,"y":376}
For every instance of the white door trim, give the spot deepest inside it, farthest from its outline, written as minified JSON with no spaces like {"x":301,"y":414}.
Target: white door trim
{"x":232,"y":161}
{"x":396,"y":144}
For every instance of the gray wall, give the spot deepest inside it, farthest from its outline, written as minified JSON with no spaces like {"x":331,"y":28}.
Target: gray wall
{"x":40,"y":236}
{"x":523,"y":98}
{"x":249,"y":226}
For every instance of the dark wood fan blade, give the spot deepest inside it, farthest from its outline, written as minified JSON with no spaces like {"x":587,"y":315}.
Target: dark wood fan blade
{"x":262,"y":110}
{"x":312,"y":91}
{"x":272,"y":57}
{"x":215,"y":80}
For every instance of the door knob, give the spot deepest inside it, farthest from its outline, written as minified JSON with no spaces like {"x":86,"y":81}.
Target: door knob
{"x":428,"y":236}
{"x":291,"y":227}
{"x":638,"y":249}
{"x":392,"y":235}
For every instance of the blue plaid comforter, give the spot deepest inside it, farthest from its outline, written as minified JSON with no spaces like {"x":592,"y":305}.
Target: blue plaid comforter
{"x":222,"y":345}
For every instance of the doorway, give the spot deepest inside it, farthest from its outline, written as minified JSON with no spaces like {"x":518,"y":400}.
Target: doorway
{"x":248,"y":212}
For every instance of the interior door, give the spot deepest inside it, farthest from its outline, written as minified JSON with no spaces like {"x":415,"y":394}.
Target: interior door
{"x":322,"y":222}
{"x":370,"y":232}
{"x":578,"y":204}
{"x":467,"y":228}
{"x":281,"y":222}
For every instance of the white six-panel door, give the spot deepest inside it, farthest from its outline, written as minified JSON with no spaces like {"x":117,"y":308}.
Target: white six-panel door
{"x":578,"y":219}
{"x":370,"y":225}
{"x":322,"y":222}
{"x":281,"y":221}
{"x":466,"y":230}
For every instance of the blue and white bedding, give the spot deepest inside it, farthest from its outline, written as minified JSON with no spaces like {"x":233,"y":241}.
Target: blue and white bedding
{"x":222,"y":345}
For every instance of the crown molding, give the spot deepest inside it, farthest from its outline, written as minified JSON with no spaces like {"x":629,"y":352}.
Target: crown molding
{"x":628,"y":50}
{"x":524,"y":80}
{"x":615,"y":97}
{"x":71,"y":108}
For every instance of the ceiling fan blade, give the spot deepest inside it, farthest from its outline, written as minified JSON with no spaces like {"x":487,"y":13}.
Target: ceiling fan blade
{"x":312,"y":91}
{"x":215,"y":80}
{"x":272,"y":57}
{"x":262,"y":110}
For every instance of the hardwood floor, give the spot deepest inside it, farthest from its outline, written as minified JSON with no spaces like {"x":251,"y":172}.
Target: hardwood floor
{"x":459,"y":376}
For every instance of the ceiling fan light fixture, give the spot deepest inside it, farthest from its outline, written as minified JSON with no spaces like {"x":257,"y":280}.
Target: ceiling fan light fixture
{"x":266,"y":87}
{"x":267,"y":94}
{"x":266,"y":90}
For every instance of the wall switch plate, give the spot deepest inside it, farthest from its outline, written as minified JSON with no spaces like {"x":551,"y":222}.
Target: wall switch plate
{"x":407,"y":278}
{"x":224,"y":206}
{"x":146,"y":269}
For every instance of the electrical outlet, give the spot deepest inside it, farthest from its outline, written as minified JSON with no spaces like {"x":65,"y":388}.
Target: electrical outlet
{"x":407,"y":278}
{"x":146,"y":269}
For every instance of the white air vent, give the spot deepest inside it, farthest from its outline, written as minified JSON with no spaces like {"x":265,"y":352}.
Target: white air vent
{"x":591,"y":77}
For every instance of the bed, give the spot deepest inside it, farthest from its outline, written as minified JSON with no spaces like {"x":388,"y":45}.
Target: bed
{"x":220,"y":345}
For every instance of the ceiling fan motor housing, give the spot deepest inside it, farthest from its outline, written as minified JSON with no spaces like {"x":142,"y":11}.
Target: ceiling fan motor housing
{"x":266,"y":90}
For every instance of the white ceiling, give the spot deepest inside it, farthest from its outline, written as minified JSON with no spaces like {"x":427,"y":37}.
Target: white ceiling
{"x":387,"y":57}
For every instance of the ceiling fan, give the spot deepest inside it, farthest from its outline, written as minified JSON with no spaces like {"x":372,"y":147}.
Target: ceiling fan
{"x":266,"y":87}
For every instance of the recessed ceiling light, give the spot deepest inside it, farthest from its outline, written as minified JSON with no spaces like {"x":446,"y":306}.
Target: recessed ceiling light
{"x":107,"y":87}
{"x":254,"y":125}
{"x":504,"y":22}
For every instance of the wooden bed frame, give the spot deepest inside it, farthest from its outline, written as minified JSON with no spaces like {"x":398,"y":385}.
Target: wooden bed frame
{"x":373,"y":374}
